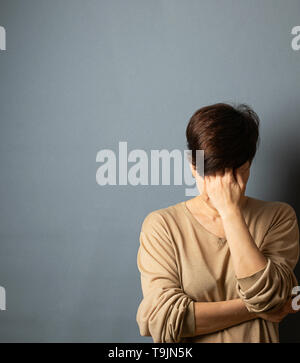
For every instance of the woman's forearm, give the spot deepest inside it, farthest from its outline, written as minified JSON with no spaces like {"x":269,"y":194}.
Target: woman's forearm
{"x":247,"y":259}
{"x":226,"y":194}
{"x":214,"y":316}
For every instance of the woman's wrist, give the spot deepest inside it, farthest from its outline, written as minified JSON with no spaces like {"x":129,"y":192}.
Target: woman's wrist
{"x":247,"y":314}
{"x":230,"y":212}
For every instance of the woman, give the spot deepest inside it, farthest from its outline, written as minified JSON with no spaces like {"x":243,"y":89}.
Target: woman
{"x":218,"y":267}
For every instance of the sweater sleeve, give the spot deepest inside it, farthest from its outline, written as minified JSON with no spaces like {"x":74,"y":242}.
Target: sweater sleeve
{"x":270,"y":288}
{"x":166,"y":313}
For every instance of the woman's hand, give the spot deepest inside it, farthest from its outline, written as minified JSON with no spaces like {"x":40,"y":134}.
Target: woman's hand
{"x":279,"y":315}
{"x":224,"y":191}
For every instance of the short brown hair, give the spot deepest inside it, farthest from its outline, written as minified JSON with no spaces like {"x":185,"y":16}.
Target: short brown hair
{"x":228,"y":135}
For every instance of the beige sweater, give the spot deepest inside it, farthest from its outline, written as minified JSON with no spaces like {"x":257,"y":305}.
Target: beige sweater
{"x":180,"y":262}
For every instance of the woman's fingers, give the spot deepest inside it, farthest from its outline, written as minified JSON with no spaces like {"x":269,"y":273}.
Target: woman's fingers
{"x":229,"y":175}
{"x":240,"y":180}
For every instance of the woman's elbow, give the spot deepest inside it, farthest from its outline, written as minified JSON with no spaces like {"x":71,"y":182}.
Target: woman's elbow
{"x":268,"y":300}
{"x":161,"y":331}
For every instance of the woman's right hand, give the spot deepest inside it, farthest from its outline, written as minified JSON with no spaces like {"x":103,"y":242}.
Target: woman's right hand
{"x":278,"y":315}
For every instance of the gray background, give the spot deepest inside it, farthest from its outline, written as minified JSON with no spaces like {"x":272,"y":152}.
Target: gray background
{"x":80,"y":76}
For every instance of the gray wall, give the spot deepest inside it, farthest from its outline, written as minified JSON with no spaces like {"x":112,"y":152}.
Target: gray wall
{"x":80,"y":76}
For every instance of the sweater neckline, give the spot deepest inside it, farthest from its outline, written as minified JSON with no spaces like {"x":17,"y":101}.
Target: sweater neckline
{"x":200,"y":226}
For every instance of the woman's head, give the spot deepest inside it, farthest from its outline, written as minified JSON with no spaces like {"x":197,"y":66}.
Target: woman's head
{"x":228,"y":135}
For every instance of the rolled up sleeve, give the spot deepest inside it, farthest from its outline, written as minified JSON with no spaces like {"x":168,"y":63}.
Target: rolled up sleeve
{"x":270,"y":288}
{"x":165,"y":313}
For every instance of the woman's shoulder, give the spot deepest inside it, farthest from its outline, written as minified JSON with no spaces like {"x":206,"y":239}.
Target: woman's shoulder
{"x":162,"y":217}
{"x":275,"y":209}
